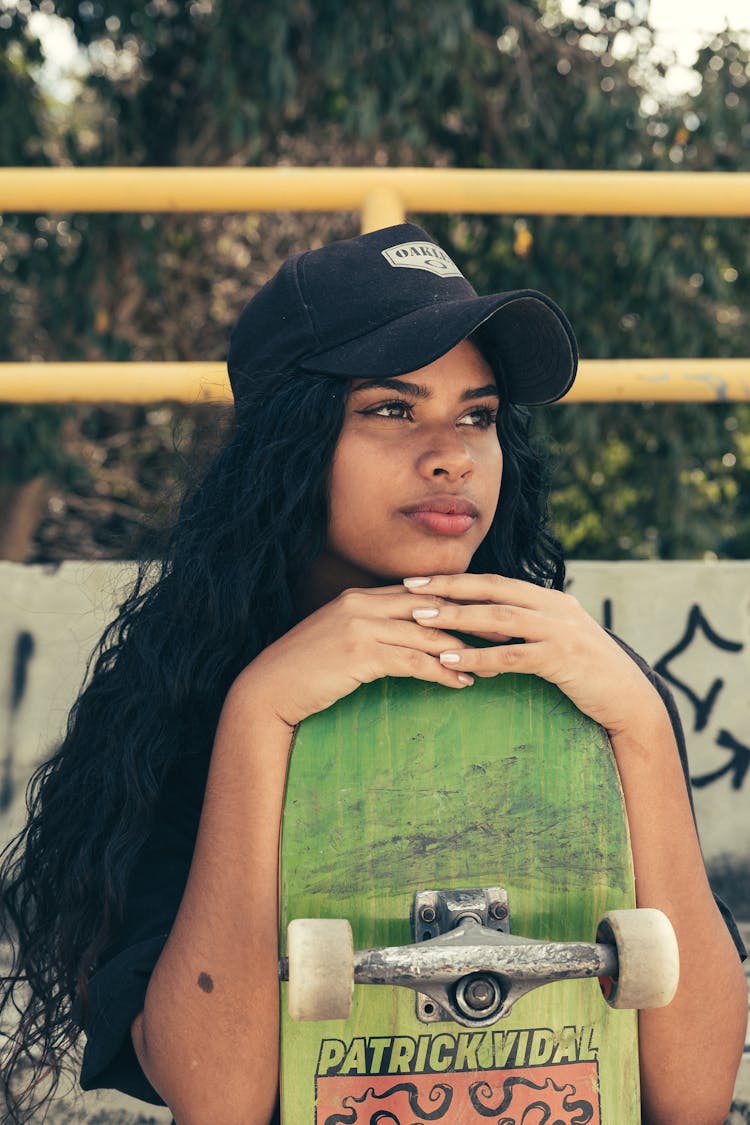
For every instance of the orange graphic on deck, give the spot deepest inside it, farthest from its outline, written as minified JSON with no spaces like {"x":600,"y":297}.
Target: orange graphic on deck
{"x":564,"y":1094}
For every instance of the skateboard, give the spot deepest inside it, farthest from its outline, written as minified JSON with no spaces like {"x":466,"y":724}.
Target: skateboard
{"x":457,"y":935}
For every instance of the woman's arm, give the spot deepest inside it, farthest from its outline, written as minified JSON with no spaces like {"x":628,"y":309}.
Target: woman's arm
{"x":690,"y":1050}
{"x":207,"y":1038}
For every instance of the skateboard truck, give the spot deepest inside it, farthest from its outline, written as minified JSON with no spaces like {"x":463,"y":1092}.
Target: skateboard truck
{"x":477,"y":996}
{"x":494,"y":967}
{"x":466,"y":966}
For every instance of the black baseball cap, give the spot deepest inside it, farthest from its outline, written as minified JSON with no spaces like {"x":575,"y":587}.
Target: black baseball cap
{"x":389,"y":302}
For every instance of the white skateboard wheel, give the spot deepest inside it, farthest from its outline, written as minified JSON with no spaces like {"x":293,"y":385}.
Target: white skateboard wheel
{"x":648,"y":957}
{"x":321,"y":968}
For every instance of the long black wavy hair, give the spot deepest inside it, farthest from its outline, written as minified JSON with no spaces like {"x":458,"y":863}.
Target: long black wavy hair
{"x":244,"y":539}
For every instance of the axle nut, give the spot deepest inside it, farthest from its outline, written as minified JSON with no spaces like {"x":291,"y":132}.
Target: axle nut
{"x":478,"y":995}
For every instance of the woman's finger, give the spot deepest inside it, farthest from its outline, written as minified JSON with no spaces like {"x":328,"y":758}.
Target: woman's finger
{"x":489,"y":588}
{"x":378,"y":591}
{"x":502,"y":620}
{"x":386,"y":601}
{"x":528,"y":659}
{"x":410,"y":662}
{"x":410,"y":634}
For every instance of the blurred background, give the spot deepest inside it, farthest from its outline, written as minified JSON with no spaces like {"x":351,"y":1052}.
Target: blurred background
{"x":454,"y":83}
{"x":514,"y":84}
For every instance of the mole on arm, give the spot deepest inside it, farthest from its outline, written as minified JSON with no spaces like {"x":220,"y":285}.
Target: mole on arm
{"x":205,"y":982}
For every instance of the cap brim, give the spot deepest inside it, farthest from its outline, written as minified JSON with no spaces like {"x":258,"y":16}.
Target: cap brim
{"x":524,"y":332}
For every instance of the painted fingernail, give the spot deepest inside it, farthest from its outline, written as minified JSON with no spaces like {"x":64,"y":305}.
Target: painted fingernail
{"x":464,"y":679}
{"x":423,"y":614}
{"x":415,"y":583}
{"x":449,"y":658}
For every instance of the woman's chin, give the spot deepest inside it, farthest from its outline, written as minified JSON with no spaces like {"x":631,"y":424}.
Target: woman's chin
{"x":450,"y":561}
{"x":334,"y":572}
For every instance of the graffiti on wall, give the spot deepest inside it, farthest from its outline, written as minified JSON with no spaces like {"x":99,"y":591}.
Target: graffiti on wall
{"x":736,"y":766}
{"x":735,"y":754}
{"x":23,"y":651}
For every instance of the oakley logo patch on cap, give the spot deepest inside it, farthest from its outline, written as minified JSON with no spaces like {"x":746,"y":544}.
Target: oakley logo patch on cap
{"x":422,"y":256}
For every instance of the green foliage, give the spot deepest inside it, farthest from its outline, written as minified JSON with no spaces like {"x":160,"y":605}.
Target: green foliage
{"x":465,"y":83}
{"x":135,"y":463}
{"x":648,"y":481}
{"x":20,"y":135}
{"x":32,"y":444}
{"x":30,"y":439}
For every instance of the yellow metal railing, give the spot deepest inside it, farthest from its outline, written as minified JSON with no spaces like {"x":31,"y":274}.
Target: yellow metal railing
{"x":618,"y":380}
{"x":382,"y":196}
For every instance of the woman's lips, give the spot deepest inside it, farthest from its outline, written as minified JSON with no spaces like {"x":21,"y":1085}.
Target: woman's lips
{"x":443,"y":515}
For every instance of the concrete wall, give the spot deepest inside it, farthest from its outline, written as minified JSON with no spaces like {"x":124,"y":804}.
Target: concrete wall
{"x":690,"y":620}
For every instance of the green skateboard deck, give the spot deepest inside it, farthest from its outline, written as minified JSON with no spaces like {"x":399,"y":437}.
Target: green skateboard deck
{"x":406,"y":786}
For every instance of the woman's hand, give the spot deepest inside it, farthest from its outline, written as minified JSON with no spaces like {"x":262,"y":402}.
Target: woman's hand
{"x":561,"y":642}
{"x":361,"y":635}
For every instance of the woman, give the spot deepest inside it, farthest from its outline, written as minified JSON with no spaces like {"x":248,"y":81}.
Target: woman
{"x":378,"y":494}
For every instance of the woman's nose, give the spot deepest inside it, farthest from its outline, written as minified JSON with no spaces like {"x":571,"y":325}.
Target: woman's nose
{"x":446,"y":455}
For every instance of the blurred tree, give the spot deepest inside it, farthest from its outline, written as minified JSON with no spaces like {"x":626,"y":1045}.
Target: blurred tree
{"x":30,"y":440}
{"x":471,"y":83}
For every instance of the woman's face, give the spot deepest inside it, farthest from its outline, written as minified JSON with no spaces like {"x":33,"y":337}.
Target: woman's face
{"x":415,"y":478}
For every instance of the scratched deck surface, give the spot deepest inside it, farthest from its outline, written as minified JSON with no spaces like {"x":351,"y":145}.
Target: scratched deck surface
{"x":406,"y":786}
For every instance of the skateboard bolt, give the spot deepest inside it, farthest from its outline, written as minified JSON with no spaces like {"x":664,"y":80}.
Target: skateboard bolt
{"x":498,"y":911}
{"x":479,"y":994}
{"x":427,"y":914}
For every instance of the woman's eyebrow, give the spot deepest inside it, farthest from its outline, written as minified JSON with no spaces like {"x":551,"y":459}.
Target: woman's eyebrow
{"x":481,"y":392}
{"x":418,"y":390}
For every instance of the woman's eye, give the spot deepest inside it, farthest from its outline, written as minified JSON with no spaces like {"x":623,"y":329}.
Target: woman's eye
{"x":482,"y":417}
{"x":395,"y":409}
